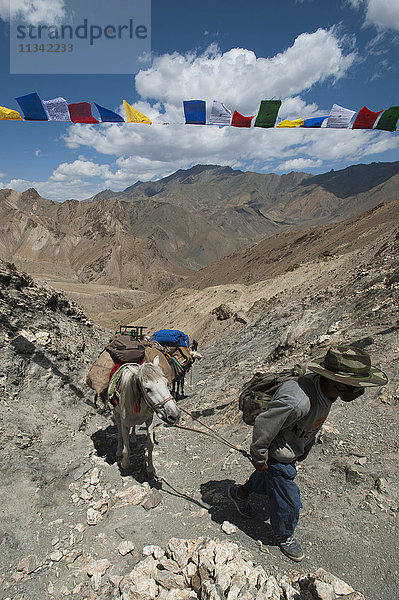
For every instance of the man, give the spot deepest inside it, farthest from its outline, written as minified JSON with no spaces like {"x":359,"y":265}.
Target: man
{"x":287,"y":429}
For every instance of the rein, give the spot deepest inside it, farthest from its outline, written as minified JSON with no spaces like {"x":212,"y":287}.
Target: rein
{"x":213,"y":434}
{"x":150,"y":405}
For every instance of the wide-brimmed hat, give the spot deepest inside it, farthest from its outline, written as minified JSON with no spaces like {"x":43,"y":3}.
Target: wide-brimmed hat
{"x":348,"y":365}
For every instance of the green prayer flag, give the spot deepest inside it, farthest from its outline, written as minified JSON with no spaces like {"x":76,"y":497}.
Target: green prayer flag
{"x":267,"y":114}
{"x":388,"y":119}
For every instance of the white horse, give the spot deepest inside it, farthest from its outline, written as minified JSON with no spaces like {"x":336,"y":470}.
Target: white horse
{"x":142,"y":390}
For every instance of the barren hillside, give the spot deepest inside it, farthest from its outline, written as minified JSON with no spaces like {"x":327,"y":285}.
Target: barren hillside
{"x":153,"y":235}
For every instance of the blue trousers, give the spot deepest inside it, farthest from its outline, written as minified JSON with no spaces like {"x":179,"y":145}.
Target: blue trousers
{"x":284,"y":497}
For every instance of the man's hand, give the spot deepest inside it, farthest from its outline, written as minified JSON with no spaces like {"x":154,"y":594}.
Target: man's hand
{"x":260,"y":466}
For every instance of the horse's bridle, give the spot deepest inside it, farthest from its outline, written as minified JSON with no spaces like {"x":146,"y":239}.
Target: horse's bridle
{"x":148,"y":401}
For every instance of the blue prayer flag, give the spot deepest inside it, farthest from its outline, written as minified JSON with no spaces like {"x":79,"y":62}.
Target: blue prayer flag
{"x":315,"y":122}
{"x":108,"y":116}
{"x":32,"y":107}
{"x":194,"y":112}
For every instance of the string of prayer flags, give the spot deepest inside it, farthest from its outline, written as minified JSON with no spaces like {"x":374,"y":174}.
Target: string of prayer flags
{"x":7,"y":114}
{"x":57,"y":109}
{"x":108,"y":116}
{"x":32,"y":107}
{"x":340,"y":117}
{"x":314,"y":122}
{"x":220,"y":114}
{"x":135,"y":116}
{"x":365,"y":118}
{"x":239,"y":120}
{"x":194,"y":112}
{"x":287,"y":123}
{"x":389,"y":118}
{"x":81,"y":113}
{"x":267,"y":114}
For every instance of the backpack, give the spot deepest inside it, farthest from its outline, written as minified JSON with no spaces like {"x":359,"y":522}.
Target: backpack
{"x":258,"y":391}
{"x":171,"y":337}
{"x":125,"y":349}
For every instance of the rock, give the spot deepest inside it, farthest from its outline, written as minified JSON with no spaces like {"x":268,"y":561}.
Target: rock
{"x":211,"y":591}
{"x":133,"y":495}
{"x":95,"y":476}
{"x":152,"y":500}
{"x":270,"y":590}
{"x":29,"y":564}
{"x":125,"y":547}
{"x":155,"y":551}
{"x":340,"y":587}
{"x":228,"y":528}
{"x":78,"y":473}
{"x":381,"y":485}
{"x":222,"y":312}
{"x":95,"y":569}
{"x":56,"y":556}
{"x":92,"y":516}
{"x":169,"y":580}
{"x":291,"y":593}
{"x":241,"y":317}
{"x":322,"y":591}
{"x":353,"y":477}
{"x":98,"y":566}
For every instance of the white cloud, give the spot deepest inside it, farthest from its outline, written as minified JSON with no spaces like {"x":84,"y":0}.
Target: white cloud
{"x":384,"y":14}
{"x":240,"y":79}
{"x":33,"y":11}
{"x":299,"y":164}
{"x":237,"y":78}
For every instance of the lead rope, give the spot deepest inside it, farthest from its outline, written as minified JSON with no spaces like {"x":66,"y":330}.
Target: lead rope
{"x":213,"y":434}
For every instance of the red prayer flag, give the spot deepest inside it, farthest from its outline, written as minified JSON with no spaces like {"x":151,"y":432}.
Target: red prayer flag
{"x":81,"y":113}
{"x":239,"y":120}
{"x":365,"y":118}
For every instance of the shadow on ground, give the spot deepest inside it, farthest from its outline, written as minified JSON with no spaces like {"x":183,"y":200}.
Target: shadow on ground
{"x":105,"y":442}
{"x":214,"y":494}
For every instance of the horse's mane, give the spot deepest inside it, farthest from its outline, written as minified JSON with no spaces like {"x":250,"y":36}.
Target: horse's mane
{"x":149,"y":372}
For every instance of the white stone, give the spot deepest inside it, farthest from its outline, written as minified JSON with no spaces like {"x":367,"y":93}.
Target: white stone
{"x":228,"y":528}
{"x":155,"y":551}
{"x":56,"y":556}
{"x":340,"y":587}
{"x":125,"y":547}
{"x":92,"y":516}
{"x":133,"y":495}
{"x":98,"y":566}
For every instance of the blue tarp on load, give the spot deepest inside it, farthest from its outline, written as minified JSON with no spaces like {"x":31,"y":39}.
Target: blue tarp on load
{"x":171,"y":337}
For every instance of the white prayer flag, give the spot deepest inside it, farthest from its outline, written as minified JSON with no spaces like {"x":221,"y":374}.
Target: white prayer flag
{"x":220,"y":115}
{"x":57,"y":109}
{"x":339,"y":118}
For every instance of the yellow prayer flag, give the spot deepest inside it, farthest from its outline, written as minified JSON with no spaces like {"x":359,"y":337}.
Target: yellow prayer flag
{"x":7,"y":114}
{"x":134,"y":116}
{"x":287,"y":123}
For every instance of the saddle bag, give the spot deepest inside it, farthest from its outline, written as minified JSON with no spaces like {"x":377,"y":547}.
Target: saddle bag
{"x":259,"y":390}
{"x":125,"y":349}
{"x":99,"y":373}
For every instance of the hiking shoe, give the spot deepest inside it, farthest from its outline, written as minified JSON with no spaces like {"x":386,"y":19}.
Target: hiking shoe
{"x":290,"y":547}
{"x":242,"y":505}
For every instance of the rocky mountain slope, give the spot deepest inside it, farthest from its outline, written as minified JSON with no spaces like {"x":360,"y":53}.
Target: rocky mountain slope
{"x":81,"y":526}
{"x":153,"y":235}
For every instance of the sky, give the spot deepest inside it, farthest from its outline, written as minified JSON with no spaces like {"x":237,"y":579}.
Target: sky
{"x":310,"y":54}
